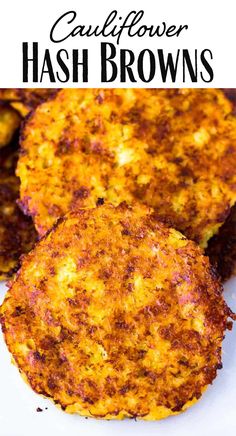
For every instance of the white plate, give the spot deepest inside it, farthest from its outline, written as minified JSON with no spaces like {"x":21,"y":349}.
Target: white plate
{"x":213,"y":415}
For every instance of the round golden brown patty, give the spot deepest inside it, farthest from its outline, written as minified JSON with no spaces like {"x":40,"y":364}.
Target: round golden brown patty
{"x":24,"y":100}
{"x":174,"y":150}
{"x":17,"y":233}
{"x":114,"y":315}
{"x":9,"y":123}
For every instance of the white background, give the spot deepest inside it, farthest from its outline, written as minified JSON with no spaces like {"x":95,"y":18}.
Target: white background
{"x":213,"y":415}
{"x":212,"y":25}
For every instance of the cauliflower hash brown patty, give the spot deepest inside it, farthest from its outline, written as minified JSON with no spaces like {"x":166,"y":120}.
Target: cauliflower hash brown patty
{"x":17,"y":233}
{"x":174,"y":150}
{"x":114,"y":315}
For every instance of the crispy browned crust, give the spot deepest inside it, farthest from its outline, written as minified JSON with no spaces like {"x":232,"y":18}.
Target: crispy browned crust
{"x":112,"y":314}
{"x":174,"y":150}
{"x":9,"y":123}
{"x":24,"y":100}
{"x":17,"y":234}
{"x":222,"y":247}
